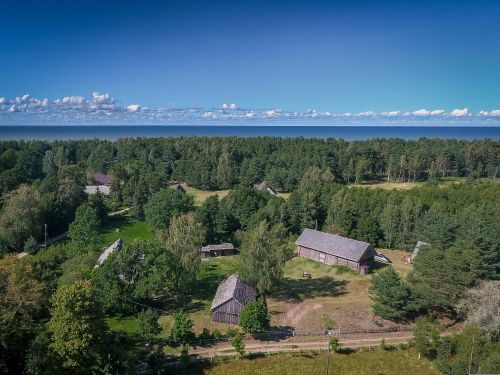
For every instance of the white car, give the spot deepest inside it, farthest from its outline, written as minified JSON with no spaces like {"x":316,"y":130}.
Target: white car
{"x":379,"y":257}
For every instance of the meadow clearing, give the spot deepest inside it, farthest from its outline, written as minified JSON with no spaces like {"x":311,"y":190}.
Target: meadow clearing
{"x":386,"y":362}
{"x":332,"y":296}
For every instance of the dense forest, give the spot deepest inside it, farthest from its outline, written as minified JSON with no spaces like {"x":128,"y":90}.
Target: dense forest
{"x":57,"y":171}
{"x":42,"y":183}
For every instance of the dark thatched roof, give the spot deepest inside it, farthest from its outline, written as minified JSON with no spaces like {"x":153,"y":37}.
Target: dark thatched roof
{"x":233,"y":287}
{"x":342,"y":247}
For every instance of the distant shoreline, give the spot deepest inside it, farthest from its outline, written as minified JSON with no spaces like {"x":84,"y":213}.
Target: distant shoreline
{"x":358,"y":132}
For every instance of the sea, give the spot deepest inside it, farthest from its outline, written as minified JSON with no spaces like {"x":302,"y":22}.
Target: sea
{"x":113,"y":132}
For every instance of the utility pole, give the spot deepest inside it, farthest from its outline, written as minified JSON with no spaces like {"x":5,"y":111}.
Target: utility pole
{"x":328,"y":356}
{"x":45,"y":227}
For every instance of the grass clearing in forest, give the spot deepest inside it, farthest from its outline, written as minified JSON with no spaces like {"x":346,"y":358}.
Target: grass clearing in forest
{"x":201,"y":196}
{"x":387,"y":362}
{"x":126,"y":228}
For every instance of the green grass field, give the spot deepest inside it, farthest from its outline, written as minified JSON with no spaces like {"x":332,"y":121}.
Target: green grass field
{"x":197,"y":304}
{"x":126,"y":228}
{"x":394,"y":362}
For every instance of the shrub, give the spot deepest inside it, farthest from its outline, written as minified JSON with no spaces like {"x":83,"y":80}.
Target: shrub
{"x":335,"y":344}
{"x":254,"y":317}
{"x":184,"y":358}
{"x":183,"y":328}
{"x":382,"y":345}
{"x":205,"y":334}
{"x":238,"y":345}
{"x":216,"y":334}
{"x":231,"y":332}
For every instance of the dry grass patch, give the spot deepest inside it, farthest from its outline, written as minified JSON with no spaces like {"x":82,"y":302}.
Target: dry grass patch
{"x":397,"y":256}
{"x":394,"y":362}
{"x":331,"y":296}
{"x":201,"y":196}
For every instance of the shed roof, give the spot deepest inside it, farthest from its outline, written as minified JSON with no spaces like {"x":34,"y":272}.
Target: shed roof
{"x":233,"y":287}
{"x":115,"y":245}
{"x":343,"y":247}
{"x":264,"y":185}
{"x":92,"y":189}
{"x":222,"y":246}
{"x":102,"y":178}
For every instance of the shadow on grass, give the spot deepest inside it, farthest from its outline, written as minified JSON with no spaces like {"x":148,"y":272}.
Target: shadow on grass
{"x":299,"y":289}
{"x":375,"y":266}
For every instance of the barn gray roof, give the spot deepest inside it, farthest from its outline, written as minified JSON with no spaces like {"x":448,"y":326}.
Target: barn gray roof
{"x":233,"y":287}
{"x":343,"y":247}
{"x":222,"y":246}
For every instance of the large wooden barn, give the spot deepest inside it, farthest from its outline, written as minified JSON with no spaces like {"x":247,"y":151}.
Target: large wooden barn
{"x":335,"y":250}
{"x":232,"y":295}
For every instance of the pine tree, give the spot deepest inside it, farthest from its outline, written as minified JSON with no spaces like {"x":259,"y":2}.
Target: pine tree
{"x":393,"y":298}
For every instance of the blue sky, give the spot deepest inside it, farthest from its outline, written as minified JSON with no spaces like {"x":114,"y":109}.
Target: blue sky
{"x":334,"y":57}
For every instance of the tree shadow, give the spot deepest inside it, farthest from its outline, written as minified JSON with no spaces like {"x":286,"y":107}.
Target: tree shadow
{"x":275,"y":334}
{"x":375,"y":266}
{"x":296,"y":290}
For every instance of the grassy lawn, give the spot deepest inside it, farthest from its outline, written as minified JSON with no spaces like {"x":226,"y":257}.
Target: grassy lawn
{"x":212,"y":273}
{"x":126,"y":228}
{"x":394,"y":362}
{"x":201,"y":196}
{"x":331,"y":296}
{"x":126,"y":325}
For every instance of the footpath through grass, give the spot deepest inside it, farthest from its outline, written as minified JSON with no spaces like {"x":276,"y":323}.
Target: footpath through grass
{"x":393,"y":362}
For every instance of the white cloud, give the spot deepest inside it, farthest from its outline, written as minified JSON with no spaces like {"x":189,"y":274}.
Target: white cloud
{"x":391,"y":113}
{"x":102,"y":108}
{"x":366,"y":114}
{"x":72,"y":100}
{"x":460,"y":112}
{"x":421,"y":112}
{"x":494,"y":113}
{"x":102,"y":98}
{"x":134,"y":107}
{"x":437,"y":112}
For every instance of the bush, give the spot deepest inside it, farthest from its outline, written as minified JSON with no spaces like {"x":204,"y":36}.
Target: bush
{"x":335,"y":344}
{"x":31,"y":246}
{"x":205,"y":335}
{"x":216,"y":334}
{"x":184,"y":358}
{"x":382,"y":345}
{"x":183,"y":328}
{"x":231,"y":332}
{"x":238,"y":345}
{"x":254,"y":317}
{"x":147,"y":320}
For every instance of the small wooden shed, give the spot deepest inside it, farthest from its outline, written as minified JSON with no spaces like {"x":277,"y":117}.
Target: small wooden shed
{"x":217,"y":250}
{"x":232,"y":295}
{"x":265,"y":186}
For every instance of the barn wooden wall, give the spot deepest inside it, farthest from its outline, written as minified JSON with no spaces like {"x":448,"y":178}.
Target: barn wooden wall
{"x":318,"y":256}
{"x":228,"y":312}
